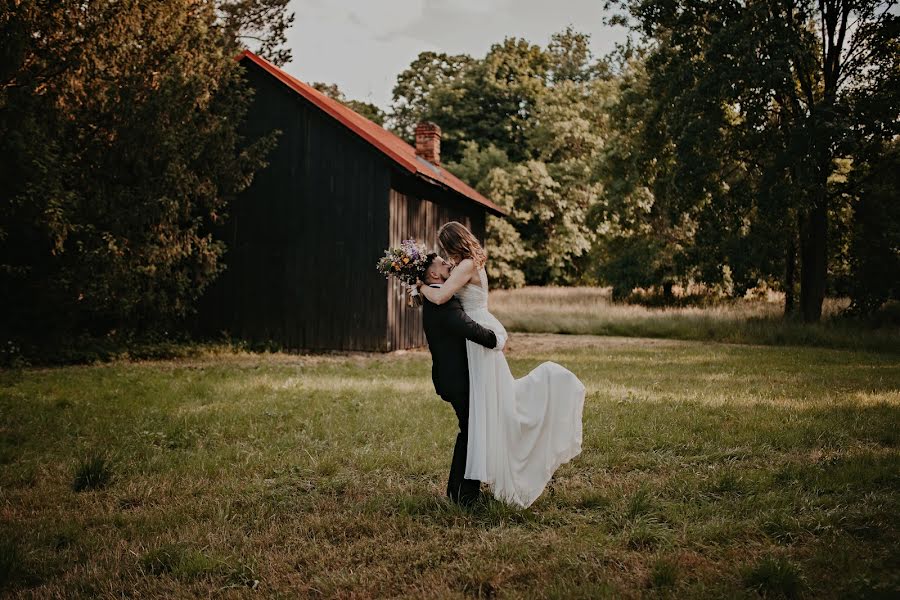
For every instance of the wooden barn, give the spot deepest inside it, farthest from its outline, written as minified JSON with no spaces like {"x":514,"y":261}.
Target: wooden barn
{"x":304,"y":238}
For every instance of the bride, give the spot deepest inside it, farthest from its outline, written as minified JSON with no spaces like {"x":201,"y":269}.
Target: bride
{"x":520,"y":430}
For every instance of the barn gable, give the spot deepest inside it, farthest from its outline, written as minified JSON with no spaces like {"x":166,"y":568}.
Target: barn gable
{"x":392,"y":146}
{"x":303,"y":239}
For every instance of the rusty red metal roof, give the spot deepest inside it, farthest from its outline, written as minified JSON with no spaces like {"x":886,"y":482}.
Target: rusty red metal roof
{"x":395,"y":148}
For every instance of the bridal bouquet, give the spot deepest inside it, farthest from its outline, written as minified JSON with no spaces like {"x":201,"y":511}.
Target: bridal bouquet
{"x":407,"y":263}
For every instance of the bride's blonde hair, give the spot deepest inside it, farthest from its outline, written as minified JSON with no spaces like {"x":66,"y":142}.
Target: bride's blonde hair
{"x":458,"y":242}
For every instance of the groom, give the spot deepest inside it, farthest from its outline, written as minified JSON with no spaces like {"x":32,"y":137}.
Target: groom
{"x":447,"y":327}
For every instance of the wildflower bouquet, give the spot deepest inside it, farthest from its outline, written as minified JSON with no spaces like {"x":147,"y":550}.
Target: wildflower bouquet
{"x":407,"y":263}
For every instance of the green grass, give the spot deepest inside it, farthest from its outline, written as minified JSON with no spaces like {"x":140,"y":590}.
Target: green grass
{"x":589,"y":311}
{"x":708,"y":470}
{"x":774,"y":577}
{"x":93,"y":473}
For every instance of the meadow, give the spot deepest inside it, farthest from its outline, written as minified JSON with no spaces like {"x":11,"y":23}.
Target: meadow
{"x":589,"y":310}
{"x":709,"y":470}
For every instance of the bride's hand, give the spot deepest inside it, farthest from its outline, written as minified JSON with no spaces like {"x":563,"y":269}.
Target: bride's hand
{"x":502,"y":341}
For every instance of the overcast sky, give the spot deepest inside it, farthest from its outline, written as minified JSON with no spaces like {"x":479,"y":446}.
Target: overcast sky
{"x":362,"y":45}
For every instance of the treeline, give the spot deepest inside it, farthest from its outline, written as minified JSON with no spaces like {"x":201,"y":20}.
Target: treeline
{"x":120,"y":148}
{"x":730,"y":145}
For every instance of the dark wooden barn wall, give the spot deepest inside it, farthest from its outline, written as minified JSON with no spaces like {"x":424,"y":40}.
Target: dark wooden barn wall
{"x":454,"y":207}
{"x":415,"y":217}
{"x":304,"y":238}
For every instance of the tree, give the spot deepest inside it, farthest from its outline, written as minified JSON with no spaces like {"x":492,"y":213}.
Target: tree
{"x":502,"y":92}
{"x":570,"y":59}
{"x":547,"y":236}
{"x":524,"y":126}
{"x":118,"y":124}
{"x":642,"y":227}
{"x":566,"y":133}
{"x":488,"y":101}
{"x":413,"y":94}
{"x":762,"y":89}
{"x":875,"y":238}
{"x":504,"y":245}
{"x":262,"y":24}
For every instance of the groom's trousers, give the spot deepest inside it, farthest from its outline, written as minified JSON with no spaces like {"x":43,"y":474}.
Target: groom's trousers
{"x":460,"y":489}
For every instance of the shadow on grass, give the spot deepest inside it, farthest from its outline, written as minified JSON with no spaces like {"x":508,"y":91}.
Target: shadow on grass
{"x":439,"y":510}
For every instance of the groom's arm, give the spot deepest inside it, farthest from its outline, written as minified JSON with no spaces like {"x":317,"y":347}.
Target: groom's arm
{"x":455,"y":320}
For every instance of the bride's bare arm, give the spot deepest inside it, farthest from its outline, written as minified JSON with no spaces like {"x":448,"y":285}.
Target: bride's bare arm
{"x":459,"y":277}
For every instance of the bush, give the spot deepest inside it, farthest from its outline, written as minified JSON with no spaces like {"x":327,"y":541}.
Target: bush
{"x":627,"y":263}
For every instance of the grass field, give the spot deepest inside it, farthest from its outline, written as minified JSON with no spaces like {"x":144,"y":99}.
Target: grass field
{"x":708,"y":470}
{"x":589,"y":310}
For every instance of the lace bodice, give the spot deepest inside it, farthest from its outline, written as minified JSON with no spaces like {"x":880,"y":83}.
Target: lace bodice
{"x":473,"y":296}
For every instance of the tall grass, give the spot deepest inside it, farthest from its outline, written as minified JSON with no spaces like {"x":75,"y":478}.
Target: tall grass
{"x":758,"y":321}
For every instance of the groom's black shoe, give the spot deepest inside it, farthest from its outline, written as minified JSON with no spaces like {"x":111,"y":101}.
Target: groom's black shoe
{"x":479,"y":500}
{"x":464,"y":497}
{"x":471,"y":500}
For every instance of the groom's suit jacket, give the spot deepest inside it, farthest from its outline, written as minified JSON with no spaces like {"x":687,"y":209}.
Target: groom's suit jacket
{"x":447,"y":327}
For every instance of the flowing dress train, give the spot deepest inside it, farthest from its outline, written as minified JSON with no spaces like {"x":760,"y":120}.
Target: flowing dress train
{"x":520,"y":430}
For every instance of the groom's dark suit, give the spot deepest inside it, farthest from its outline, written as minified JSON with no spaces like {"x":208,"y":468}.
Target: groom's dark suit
{"x":447,"y":327}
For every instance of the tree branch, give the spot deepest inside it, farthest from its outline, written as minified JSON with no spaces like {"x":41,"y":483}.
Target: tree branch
{"x":840,"y":44}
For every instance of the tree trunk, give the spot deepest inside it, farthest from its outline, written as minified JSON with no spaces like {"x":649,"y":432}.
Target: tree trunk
{"x":790,"y":275}
{"x":814,"y":258}
{"x":667,"y":292}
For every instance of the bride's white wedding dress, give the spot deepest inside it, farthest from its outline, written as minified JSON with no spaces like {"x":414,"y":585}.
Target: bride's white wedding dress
{"x":520,"y":430}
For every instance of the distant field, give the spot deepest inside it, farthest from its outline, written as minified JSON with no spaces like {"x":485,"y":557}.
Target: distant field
{"x":709,"y":471}
{"x":590,"y":311}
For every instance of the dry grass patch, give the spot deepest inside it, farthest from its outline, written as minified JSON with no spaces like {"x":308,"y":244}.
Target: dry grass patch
{"x":590,"y":311}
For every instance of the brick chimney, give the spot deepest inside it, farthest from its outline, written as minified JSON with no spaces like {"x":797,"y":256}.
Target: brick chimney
{"x":428,"y":142}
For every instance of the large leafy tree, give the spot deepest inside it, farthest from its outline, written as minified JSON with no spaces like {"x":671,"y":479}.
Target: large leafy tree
{"x":414,"y":93}
{"x":752,"y":107}
{"x":489,"y":100}
{"x":524,"y":125}
{"x":486,"y":169}
{"x":119,"y":132}
{"x":657,"y":225}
